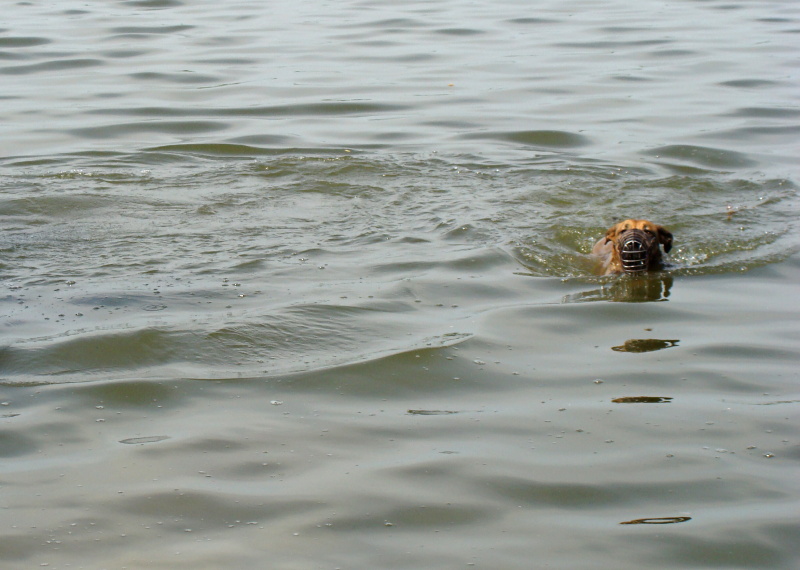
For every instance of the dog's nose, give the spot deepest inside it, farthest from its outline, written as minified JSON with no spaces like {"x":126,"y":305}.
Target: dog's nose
{"x":635,"y":247}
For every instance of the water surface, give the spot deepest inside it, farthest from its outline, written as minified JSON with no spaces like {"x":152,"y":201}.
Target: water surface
{"x":308,"y":286}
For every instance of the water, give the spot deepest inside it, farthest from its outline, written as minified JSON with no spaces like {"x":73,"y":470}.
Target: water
{"x":308,"y":286}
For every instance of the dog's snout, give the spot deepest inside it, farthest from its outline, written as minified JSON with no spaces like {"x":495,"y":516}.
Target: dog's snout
{"x":635,"y":247}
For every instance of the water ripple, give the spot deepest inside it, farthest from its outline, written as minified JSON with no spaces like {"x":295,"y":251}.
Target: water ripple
{"x":310,"y":283}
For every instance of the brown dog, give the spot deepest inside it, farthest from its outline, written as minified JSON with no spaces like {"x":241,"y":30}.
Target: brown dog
{"x":632,"y":246}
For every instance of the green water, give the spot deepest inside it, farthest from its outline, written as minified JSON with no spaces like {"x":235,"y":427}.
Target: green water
{"x":308,"y":286}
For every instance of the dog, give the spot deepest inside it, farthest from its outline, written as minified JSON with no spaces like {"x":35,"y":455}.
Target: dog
{"x":632,"y":246}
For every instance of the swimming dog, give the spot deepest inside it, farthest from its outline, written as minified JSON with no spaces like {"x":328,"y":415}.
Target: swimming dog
{"x":632,"y":246}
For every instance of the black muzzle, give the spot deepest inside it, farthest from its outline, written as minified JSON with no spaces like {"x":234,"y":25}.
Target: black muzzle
{"x":635,"y":249}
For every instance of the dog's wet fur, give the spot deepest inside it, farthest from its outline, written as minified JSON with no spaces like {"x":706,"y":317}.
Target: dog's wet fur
{"x":632,"y":246}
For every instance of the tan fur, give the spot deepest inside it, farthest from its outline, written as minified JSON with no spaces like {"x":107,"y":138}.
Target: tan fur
{"x":607,"y":248}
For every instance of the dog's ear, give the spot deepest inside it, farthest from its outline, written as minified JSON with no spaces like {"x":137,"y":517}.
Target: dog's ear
{"x":611,"y":234}
{"x":665,"y":238}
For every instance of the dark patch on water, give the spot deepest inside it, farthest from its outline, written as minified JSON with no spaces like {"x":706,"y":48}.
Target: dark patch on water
{"x":645,"y":345}
{"x":659,"y":520}
{"x":642,"y":400}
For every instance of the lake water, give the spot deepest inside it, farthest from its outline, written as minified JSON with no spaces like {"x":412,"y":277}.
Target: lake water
{"x":307,"y":286}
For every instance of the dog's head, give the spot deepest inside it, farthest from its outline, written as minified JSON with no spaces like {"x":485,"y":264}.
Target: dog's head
{"x":636,"y":244}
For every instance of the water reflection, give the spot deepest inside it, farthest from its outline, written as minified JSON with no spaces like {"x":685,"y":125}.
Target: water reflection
{"x":659,"y":520}
{"x":645,"y":345}
{"x":643,"y":400}
{"x":148,"y":439}
{"x":627,"y":289}
{"x":431,"y":412}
